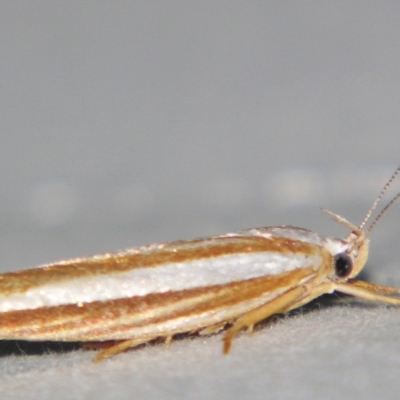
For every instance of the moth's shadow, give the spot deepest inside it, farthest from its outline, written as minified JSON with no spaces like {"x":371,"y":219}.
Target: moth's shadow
{"x":25,"y":348}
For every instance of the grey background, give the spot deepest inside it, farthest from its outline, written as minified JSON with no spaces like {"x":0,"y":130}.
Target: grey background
{"x":124,"y":123}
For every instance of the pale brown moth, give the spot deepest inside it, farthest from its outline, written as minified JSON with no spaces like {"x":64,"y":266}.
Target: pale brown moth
{"x":119,"y":300}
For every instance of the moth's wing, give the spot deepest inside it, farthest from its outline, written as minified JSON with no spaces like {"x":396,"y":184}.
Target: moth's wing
{"x":160,"y":289}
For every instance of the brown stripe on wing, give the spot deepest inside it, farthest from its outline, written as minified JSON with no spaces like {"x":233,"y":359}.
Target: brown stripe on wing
{"x":146,"y":256}
{"x":118,"y":319}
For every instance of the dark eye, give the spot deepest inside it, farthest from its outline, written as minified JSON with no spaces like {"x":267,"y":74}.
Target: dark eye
{"x":343,"y":265}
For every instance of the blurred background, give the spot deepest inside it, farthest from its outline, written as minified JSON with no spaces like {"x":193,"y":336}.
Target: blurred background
{"x":125,"y":123}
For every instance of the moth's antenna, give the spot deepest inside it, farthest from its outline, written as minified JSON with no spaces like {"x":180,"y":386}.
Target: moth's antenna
{"x":376,"y":202}
{"x":378,"y":217}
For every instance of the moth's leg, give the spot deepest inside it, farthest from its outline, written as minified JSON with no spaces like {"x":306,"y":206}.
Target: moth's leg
{"x":275,"y":306}
{"x":368,"y":292}
{"x":373,"y":287}
{"x":120,"y":346}
{"x":356,"y":288}
{"x":168,"y":340}
{"x":208,"y":330}
{"x":304,"y":294}
{"x":316,"y":291}
{"x":282,"y":304}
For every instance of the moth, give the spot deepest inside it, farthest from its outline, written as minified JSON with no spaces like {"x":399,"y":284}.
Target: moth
{"x":115,"y":301}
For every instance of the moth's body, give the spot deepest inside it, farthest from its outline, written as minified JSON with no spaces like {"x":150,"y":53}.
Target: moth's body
{"x":160,"y":289}
{"x":168,"y":288}
{"x":202,"y":285}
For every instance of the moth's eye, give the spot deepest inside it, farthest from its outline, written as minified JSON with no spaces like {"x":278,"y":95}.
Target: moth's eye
{"x":343,"y":265}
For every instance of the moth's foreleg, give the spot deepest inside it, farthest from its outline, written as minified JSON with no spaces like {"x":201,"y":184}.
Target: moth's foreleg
{"x":373,"y":287}
{"x":369,"y":291}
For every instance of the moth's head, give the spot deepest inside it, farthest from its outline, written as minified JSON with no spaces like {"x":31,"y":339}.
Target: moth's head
{"x":349,"y":255}
{"x":349,"y":259}
{"x":349,"y":263}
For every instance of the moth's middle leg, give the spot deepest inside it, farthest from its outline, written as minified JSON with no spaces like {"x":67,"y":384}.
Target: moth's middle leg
{"x":292,"y":299}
